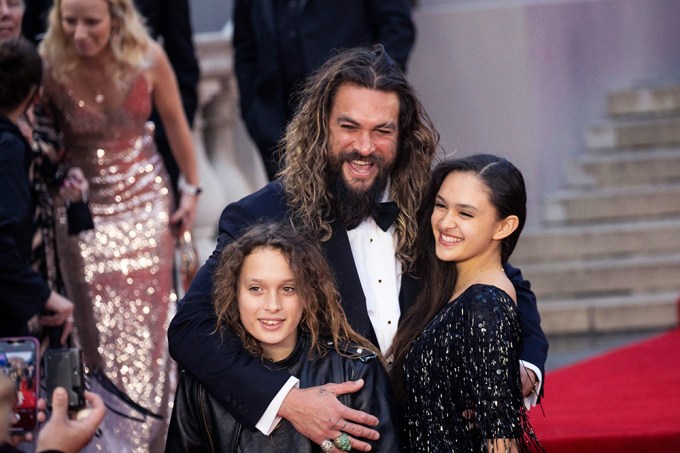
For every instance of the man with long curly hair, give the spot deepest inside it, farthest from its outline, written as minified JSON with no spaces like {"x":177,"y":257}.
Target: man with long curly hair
{"x":355,"y":164}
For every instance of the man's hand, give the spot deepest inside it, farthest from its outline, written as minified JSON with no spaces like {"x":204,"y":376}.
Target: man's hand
{"x":70,"y":436}
{"x":529,"y":381}
{"x":317,"y":414}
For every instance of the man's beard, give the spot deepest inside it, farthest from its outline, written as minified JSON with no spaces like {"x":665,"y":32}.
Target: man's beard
{"x":352,"y":206}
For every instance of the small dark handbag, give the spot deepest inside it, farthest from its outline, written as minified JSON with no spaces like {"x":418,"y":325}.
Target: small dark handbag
{"x":78,"y":217}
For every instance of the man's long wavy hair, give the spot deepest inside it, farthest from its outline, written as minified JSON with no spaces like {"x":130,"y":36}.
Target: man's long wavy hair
{"x":305,"y":145}
{"x":129,"y":40}
{"x":322,"y":314}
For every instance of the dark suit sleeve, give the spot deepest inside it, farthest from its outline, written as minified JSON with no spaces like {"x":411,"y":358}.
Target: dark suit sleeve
{"x":245,"y":57}
{"x":235,"y":378}
{"x":174,"y":26}
{"x":34,"y":22}
{"x":22,"y":291}
{"x":535,"y":350}
{"x":393,"y":27}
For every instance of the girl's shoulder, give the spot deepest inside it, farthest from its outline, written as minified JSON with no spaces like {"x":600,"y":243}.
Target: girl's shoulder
{"x":481,"y":296}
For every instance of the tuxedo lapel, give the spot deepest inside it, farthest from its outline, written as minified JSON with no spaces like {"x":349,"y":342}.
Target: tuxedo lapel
{"x":407,"y":293}
{"x":339,"y":254}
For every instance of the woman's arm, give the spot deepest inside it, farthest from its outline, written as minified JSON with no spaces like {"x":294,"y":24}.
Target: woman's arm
{"x":169,"y":106}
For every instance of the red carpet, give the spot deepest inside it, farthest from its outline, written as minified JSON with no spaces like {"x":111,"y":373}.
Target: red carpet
{"x":627,"y":400}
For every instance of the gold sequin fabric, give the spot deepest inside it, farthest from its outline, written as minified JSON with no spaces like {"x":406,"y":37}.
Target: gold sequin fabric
{"x":462,"y":378}
{"x":119,"y":275}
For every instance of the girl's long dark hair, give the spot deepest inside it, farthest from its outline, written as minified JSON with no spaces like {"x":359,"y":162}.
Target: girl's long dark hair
{"x":507,"y":194}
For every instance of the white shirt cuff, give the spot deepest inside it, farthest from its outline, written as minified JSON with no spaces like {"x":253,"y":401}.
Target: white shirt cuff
{"x":531,"y":400}
{"x":269,"y":419}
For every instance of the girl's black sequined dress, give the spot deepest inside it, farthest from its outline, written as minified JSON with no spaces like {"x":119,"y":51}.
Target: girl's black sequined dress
{"x":462,"y":377}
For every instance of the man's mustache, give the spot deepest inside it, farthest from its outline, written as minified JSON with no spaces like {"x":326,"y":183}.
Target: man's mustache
{"x":346,"y":156}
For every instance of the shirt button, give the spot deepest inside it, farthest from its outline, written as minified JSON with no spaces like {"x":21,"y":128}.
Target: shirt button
{"x":389,"y":322}
{"x":379,"y":281}
{"x":370,"y":240}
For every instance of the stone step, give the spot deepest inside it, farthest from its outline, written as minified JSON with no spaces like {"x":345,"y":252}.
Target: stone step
{"x":606,"y":277}
{"x":610,"y":204}
{"x":609,"y":314}
{"x":629,"y":133}
{"x":633,"y":167}
{"x":648,"y":100}
{"x":587,"y":242}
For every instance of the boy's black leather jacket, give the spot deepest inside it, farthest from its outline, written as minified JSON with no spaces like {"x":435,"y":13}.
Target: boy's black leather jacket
{"x":201,"y":424}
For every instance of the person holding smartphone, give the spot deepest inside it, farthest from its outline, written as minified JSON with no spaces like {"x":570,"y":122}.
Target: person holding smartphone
{"x":61,"y":434}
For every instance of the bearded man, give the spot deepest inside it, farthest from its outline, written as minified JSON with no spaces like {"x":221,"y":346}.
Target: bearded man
{"x":355,"y":166}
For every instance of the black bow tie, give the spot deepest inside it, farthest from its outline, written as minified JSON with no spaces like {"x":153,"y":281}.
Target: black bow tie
{"x":386,"y":214}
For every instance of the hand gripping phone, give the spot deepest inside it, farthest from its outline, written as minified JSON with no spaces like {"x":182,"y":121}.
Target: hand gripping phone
{"x":64,"y":368}
{"x":18,"y":360}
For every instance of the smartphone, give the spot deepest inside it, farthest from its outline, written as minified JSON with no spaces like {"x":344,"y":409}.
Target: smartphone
{"x":64,"y":368}
{"x":18,"y":360}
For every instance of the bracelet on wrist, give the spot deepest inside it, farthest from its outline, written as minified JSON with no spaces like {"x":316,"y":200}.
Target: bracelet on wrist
{"x":189,"y":189}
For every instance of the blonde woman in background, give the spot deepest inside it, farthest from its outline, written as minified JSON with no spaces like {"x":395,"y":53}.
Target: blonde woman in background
{"x":103,"y":73}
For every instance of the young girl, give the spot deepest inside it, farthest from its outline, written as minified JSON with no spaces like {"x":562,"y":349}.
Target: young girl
{"x":457,"y":355}
{"x":275,"y":292}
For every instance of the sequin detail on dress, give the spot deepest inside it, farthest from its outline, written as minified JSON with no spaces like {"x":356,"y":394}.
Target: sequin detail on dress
{"x":119,"y":275}
{"x":462,"y":377}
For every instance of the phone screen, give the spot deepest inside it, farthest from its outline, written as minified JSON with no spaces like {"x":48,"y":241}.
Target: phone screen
{"x":18,"y":362}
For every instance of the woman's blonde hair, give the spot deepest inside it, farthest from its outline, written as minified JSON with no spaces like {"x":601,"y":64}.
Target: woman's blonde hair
{"x":129,"y":40}
{"x":322,"y":313}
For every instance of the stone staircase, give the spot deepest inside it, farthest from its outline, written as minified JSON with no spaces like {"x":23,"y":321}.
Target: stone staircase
{"x":607,"y":256}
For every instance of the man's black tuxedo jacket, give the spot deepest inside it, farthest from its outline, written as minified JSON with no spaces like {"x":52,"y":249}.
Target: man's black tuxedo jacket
{"x":239,"y":380}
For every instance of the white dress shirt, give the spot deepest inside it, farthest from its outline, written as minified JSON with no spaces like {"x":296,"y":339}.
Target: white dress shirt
{"x":380,"y":274}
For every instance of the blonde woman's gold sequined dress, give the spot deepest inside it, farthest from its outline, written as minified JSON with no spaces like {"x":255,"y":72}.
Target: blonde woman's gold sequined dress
{"x":119,"y":275}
